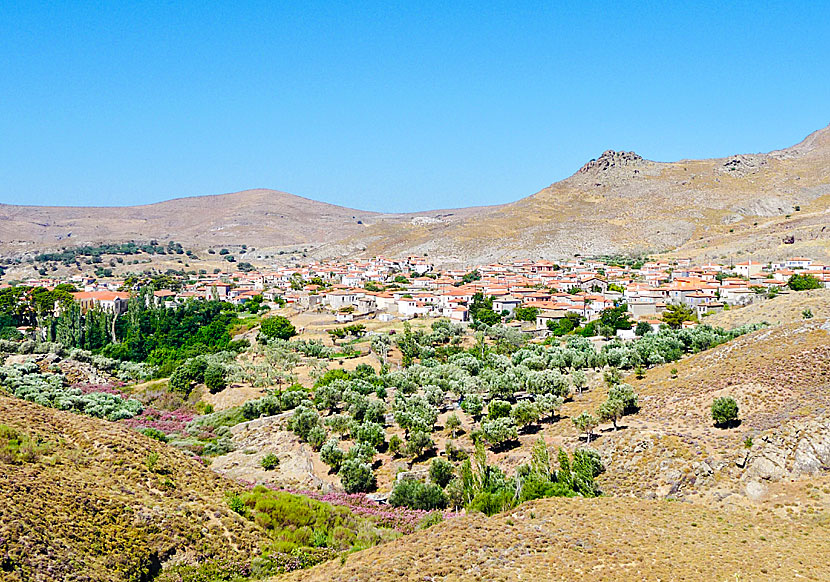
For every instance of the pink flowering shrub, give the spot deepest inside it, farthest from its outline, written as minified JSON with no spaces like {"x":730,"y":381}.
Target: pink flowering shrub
{"x":107,"y":388}
{"x":167,"y":421}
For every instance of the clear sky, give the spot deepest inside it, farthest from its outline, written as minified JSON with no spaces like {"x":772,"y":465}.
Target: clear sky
{"x":389,"y":106}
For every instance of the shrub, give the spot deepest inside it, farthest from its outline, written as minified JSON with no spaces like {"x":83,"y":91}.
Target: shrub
{"x":525,"y":413}
{"x":499,"y":431}
{"x":357,"y":477}
{"x":215,"y":378}
{"x":498,"y":409}
{"x":472,"y":405}
{"x":316,"y":437}
{"x":419,"y":442}
{"x":724,"y":411}
{"x":270,"y":462}
{"x":395,"y":444}
{"x":303,"y":421}
{"x":362,"y":452}
{"x":416,"y":495}
{"x":453,"y":423}
{"x":642,"y":328}
{"x":154,"y":433}
{"x":370,"y":433}
{"x":332,"y":455}
{"x":454,"y":452}
{"x":803,"y":282}
{"x":586,"y":423}
{"x":441,"y":472}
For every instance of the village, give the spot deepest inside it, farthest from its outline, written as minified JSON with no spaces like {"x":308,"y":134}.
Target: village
{"x":532,"y":295}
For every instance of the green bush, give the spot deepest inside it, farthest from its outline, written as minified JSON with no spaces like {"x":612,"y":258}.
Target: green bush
{"x":303,"y":421}
{"x":803,"y":282}
{"x":316,"y":437}
{"x":270,"y":462}
{"x":498,"y":409}
{"x":416,"y":495}
{"x":154,"y":433}
{"x":441,"y":472}
{"x":277,"y":327}
{"x":332,"y":455}
{"x":419,"y":442}
{"x":370,"y":433}
{"x":724,"y":411}
{"x":357,"y":477}
{"x":215,"y":378}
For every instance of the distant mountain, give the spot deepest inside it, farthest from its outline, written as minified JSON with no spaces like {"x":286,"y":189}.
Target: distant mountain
{"x":253,"y":216}
{"x":617,"y":203}
{"x":620,"y":202}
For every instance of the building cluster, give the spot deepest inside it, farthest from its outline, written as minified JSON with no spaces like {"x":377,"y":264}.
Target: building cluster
{"x":388,"y":289}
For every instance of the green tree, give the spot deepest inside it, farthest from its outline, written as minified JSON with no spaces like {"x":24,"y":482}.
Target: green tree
{"x":498,"y":409}
{"x":611,"y":410}
{"x":643,"y":327}
{"x":419,"y":442}
{"x":675,"y":314}
{"x":357,"y":476}
{"x":416,"y":495}
{"x":499,"y":431}
{"x":332,"y":455}
{"x":277,"y":327}
{"x":803,"y":282}
{"x":215,"y":378}
{"x":452,"y":424}
{"x":525,"y":413}
{"x":472,"y":405}
{"x":481,"y":309}
{"x":586,"y":423}
{"x":441,"y":472}
{"x":526,"y":313}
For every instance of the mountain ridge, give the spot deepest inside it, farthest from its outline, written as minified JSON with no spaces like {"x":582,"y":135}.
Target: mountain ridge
{"x":619,"y":202}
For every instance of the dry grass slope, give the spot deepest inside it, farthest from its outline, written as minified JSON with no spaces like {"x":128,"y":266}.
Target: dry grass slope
{"x":785,"y":308}
{"x":604,"y":539}
{"x":93,"y":505}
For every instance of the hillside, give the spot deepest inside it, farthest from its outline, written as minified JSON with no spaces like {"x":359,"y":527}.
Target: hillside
{"x":780,"y":378}
{"x":684,"y":500}
{"x":86,"y":499}
{"x":252,"y":217}
{"x":617,"y":203}
{"x":597,"y":540}
{"x":787,"y":307}
{"x":621,"y":202}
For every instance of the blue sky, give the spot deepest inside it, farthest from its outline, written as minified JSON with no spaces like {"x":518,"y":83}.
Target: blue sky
{"x":387,"y":106}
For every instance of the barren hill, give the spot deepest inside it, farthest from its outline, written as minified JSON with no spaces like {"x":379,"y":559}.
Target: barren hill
{"x":617,"y":203}
{"x":621,"y":202}
{"x":253,"y":217}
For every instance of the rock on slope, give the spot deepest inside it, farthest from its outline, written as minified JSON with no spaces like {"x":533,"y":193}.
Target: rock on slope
{"x":96,"y":501}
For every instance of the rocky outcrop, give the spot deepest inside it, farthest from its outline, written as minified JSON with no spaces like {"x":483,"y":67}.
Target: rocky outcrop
{"x":801,"y":450}
{"x":611,"y":159}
